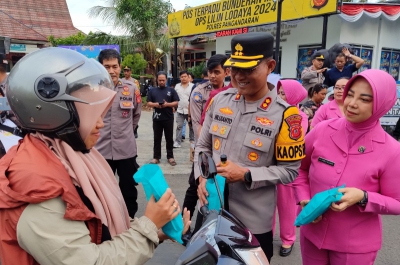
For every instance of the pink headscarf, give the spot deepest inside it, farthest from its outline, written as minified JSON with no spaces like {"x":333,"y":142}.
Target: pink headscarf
{"x":383,"y":91}
{"x":294,"y":91}
{"x":384,"y":96}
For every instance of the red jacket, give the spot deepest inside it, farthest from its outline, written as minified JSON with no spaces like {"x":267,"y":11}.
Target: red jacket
{"x":31,"y":173}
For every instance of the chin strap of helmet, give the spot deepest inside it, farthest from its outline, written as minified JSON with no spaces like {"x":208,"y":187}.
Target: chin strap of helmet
{"x":70,"y":134}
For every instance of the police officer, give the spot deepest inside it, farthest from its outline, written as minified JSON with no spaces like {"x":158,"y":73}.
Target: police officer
{"x":117,"y":142}
{"x":216,"y":73}
{"x":128,"y":76}
{"x":260,"y":134}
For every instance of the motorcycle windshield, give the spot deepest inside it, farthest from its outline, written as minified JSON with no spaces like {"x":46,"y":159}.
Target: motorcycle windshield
{"x":233,"y":232}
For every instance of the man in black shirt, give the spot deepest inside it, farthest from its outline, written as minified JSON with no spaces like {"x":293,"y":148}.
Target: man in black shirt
{"x":163,"y":99}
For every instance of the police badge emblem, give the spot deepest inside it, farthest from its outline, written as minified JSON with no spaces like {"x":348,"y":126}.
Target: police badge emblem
{"x":126,"y":91}
{"x":294,"y":124}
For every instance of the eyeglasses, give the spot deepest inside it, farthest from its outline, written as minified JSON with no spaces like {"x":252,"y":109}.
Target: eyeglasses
{"x":126,"y":70}
{"x":340,"y":88}
{"x":246,"y":72}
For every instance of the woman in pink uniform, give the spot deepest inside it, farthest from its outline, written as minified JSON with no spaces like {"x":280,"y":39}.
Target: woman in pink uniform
{"x":334,"y":109}
{"x":293,"y":93}
{"x":355,"y":151}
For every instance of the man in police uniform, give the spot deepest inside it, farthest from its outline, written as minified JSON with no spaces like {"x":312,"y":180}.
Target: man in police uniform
{"x":117,"y":142}
{"x":260,"y":134}
{"x":216,"y":73}
{"x":128,"y":76}
{"x":199,"y":96}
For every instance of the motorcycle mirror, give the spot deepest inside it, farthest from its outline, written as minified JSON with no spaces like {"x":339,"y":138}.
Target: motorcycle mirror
{"x":209,"y":171}
{"x":207,"y":166}
{"x":198,"y":253}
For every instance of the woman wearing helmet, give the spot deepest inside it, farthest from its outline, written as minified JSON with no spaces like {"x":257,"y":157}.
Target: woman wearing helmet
{"x":59,"y":200}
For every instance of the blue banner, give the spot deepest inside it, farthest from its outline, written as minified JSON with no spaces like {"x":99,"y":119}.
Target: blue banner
{"x":91,"y":51}
{"x":394,"y":65}
{"x":366,"y":55}
{"x":384,"y":64}
{"x":304,"y":57}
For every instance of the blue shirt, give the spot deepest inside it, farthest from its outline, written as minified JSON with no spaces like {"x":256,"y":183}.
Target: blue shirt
{"x":334,"y":74}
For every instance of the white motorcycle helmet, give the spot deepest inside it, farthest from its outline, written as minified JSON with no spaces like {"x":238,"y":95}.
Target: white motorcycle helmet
{"x":47,"y":87}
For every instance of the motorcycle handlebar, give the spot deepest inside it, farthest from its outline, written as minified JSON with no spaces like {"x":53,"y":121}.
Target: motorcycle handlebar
{"x":204,"y":210}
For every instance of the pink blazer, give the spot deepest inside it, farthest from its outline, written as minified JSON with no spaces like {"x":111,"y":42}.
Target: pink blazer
{"x":326,"y":112}
{"x":329,"y":163}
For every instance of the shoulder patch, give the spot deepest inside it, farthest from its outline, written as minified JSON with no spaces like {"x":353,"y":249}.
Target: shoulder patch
{"x":290,"y":141}
{"x":137,"y":83}
{"x":197,"y":97}
{"x":138,"y":97}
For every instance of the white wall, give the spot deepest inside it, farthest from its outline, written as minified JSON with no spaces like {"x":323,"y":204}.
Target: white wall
{"x":208,"y":48}
{"x":307,"y":32}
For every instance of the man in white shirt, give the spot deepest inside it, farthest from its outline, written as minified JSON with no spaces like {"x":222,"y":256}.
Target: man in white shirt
{"x":183,"y":90}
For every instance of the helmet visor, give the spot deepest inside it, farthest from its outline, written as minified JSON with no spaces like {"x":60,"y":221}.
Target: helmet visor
{"x":92,"y":97}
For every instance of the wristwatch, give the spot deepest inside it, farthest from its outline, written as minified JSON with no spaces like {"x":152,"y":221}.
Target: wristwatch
{"x":364,"y":200}
{"x":247,"y":177}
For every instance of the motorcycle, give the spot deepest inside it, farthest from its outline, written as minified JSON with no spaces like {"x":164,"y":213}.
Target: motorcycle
{"x":223,"y":239}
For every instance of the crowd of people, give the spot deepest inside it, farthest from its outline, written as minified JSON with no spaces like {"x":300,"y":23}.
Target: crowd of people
{"x":62,"y":204}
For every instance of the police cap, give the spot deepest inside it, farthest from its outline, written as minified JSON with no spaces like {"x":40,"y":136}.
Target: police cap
{"x":249,"y":49}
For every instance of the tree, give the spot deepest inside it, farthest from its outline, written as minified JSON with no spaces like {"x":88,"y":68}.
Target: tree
{"x":76,"y":39}
{"x":136,"y":62}
{"x":197,"y":70}
{"x":144,"y":24}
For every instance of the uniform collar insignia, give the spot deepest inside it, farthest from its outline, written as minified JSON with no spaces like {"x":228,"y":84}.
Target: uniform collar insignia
{"x":237,"y":97}
{"x":265,"y":104}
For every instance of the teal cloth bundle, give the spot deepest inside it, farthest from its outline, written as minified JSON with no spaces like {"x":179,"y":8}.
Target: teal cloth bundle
{"x":213,"y":199}
{"x":318,"y":205}
{"x":154,"y":183}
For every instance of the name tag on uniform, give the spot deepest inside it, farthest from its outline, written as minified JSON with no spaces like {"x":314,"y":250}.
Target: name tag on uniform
{"x":326,"y":161}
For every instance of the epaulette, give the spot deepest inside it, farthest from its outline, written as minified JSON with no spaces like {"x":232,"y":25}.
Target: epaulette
{"x":282,"y":103}
{"x":127,"y":82}
{"x":205,"y":85}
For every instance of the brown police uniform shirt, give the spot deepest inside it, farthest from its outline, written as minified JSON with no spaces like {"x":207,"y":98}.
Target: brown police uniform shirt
{"x":133,"y":80}
{"x":310,"y":77}
{"x":265,"y":137}
{"x":117,"y":140}
{"x":198,"y":98}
